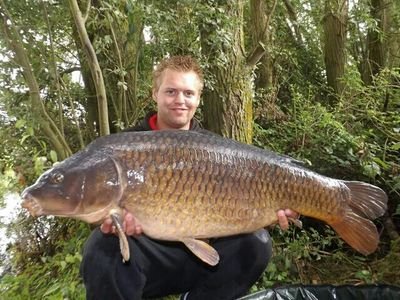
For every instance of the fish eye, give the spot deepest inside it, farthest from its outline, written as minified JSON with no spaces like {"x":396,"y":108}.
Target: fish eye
{"x":56,"y":178}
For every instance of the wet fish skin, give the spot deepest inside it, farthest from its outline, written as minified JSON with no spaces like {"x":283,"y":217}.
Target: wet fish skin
{"x":185,"y":186}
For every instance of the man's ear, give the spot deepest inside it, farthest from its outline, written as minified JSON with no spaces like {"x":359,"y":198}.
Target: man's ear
{"x":154,"y":94}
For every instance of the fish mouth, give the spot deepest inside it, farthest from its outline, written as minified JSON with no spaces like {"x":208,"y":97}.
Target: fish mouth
{"x":32,"y":205}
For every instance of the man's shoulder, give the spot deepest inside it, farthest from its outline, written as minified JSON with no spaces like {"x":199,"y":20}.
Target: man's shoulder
{"x":142,"y":125}
{"x":195,"y":126}
{"x":138,"y":127}
{"x":204,"y":131}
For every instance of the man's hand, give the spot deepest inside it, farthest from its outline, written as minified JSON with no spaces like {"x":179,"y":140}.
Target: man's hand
{"x":130,"y":225}
{"x":283,"y":216}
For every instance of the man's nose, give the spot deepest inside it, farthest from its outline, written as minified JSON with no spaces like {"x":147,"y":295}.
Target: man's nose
{"x":180,"y":98}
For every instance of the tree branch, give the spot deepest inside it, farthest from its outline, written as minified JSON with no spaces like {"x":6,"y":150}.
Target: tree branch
{"x":262,"y":37}
{"x":86,"y":14}
{"x":256,"y":55}
{"x":293,"y":22}
{"x":69,"y":70}
{"x":95,"y":69}
{"x":54,"y":69}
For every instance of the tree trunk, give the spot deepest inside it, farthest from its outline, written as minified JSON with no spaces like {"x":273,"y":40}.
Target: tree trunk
{"x":393,"y":36}
{"x":294,"y":23}
{"x":260,"y":16}
{"x":132,"y":58}
{"x":335,"y":24}
{"x":228,"y":100}
{"x":90,"y":104}
{"x":119,"y":29}
{"x":376,"y":41}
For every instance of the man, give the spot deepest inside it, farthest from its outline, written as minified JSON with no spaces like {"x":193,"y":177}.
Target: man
{"x":159,"y":268}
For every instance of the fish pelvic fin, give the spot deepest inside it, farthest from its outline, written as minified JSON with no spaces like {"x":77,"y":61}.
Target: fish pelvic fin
{"x":123,"y":241}
{"x":366,"y":202}
{"x":202,"y":250}
{"x":123,"y":181}
{"x":360,"y":233}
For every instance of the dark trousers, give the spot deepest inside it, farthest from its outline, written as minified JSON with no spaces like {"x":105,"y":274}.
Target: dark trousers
{"x":159,"y":268}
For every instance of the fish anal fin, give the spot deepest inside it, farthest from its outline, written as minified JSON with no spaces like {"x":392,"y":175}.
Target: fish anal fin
{"x":360,"y":233}
{"x":123,"y":241}
{"x":202,"y":250}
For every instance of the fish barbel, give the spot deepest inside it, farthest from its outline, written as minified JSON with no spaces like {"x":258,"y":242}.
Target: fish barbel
{"x":188,"y":186}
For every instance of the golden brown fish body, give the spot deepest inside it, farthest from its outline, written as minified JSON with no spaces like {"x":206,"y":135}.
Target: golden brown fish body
{"x":184,"y":186}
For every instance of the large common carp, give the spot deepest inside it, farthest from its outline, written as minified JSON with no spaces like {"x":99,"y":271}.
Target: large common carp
{"x":188,"y":186}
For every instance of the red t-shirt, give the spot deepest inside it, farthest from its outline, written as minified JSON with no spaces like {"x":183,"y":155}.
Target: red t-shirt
{"x":153,"y":122}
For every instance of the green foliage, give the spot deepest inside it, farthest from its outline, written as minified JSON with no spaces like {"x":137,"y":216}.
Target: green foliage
{"x":357,"y":140}
{"x":8,"y":183}
{"x":292,"y":251}
{"x":48,"y":275}
{"x":313,"y":134}
{"x":34,"y":282}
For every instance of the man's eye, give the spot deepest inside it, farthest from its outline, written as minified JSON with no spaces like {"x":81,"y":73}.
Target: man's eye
{"x":170,"y":92}
{"x":189,"y":94}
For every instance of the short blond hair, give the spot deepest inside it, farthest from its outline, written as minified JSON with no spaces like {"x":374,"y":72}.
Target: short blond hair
{"x":177,"y":63}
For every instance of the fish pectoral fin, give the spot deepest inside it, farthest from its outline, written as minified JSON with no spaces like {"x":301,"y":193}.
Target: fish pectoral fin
{"x":202,"y":250}
{"x":123,"y":241}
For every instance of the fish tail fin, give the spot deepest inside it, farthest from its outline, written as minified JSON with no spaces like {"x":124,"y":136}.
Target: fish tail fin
{"x":366,"y":199}
{"x":366,"y":202}
{"x":358,"y":232}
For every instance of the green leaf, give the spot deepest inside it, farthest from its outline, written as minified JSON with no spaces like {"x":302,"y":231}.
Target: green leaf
{"x":52,"y":289}
{"x":20,"y":123}
{"x":381,"y":163}
{"x":69,"y":258}
{"x":395,"y":146}
{"x":372,"y":169}
{"x":30,"y":131}
{"x":63,"y":265}
{"x":53,"y":156}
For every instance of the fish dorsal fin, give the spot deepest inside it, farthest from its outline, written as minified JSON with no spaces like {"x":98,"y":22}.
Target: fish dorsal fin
{"x":202,"y":250}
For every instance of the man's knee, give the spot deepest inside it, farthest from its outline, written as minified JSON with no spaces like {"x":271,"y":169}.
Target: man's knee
{"x":258,"y":246}
{"x":98,"y":252}
{"x":100,"y":243}
{"x":104,"y":274}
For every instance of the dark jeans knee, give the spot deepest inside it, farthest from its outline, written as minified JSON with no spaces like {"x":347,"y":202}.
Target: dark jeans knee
{"x":98,"y":253}
{"x":104,"y":274}
{"x":243,"y":260}
{"x":99,"y":241}
{"x":259,"y":249}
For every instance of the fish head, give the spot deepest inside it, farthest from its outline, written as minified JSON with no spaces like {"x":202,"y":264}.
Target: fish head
{"x":85,"y":188}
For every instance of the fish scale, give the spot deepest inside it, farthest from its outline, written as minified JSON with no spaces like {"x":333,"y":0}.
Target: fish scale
{"x":186,"y":186}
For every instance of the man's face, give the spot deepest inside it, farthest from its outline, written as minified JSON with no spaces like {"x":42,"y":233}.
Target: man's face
{"x":177,"y":97}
